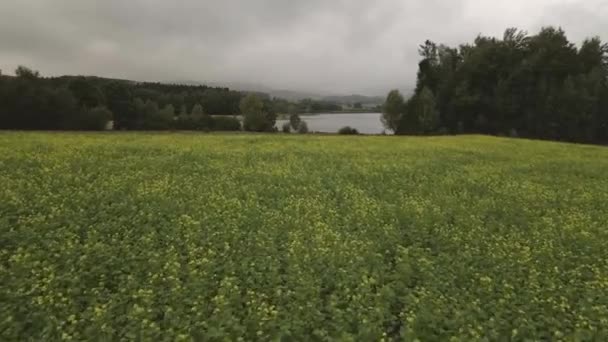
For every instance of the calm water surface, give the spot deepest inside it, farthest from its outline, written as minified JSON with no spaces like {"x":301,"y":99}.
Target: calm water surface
{"x":366,"y":123}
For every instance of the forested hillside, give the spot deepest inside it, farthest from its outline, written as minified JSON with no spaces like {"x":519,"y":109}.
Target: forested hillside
{"x":538,"y":86}
{"x":29,"y":101}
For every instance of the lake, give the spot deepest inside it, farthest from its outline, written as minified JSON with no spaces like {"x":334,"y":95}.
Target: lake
{"x":365,"y":123}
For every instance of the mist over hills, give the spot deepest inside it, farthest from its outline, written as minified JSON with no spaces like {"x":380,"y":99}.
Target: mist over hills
{"x":293,"y":95}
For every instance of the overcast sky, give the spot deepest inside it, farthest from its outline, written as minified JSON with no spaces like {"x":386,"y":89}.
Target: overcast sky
{"x":339,"y":46}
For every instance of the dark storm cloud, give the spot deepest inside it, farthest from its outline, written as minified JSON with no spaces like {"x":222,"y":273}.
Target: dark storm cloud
{"x":334,"y":46}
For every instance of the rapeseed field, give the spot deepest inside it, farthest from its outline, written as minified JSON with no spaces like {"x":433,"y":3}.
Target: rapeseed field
{"x":179,"y":237}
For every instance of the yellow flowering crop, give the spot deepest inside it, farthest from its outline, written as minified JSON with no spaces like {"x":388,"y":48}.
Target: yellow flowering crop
{"x":179,"y":237}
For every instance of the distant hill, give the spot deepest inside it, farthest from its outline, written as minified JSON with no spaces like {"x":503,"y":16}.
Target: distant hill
{"x":350,"y":99}
{"x":294,"y":95}
{"x":290,"y":95}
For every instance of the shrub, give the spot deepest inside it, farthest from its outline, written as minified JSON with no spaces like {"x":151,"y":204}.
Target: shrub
{"x":348,"y":130}
{"x":195,"y":122}
{"x":294,"y":121}
{"x":226,"y":123}
{"x":153,"y":118}
{"x":286,"y":127}
{"x":256,"y":117}
{"x":94,"y":119}
{"x":302,"y":127}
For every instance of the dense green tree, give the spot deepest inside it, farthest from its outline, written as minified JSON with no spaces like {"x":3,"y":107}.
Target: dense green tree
{"x":27,"y":102}
{"x":150,"y":116}
{"x":26,"y":73}
{"x":255,"y":117}
{"x":139,"y":106}
{"x":294,"y":121}
{"x":292,"y":109}
{"x":347,"y":130}
{"x":280,"y":105}
{"x":166,"y":117}
{"x":59,"y":111}
{"x":538,"y":86}
{"x":302,"y":127}
{"x":428,"y":116}
{"x":94,"y":119}
{"x":197,"y":110}
{"x":86,"y":93}
{"x":393,"y":110}
{"x":120,"y":103}
{"x":183,"y":110}
{"x":154,"y":118}
{"x":226,"y":123}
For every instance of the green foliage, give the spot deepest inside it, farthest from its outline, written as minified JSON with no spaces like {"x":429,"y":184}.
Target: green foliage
{"x":57,"y":107}
{"x":313,"y":106}
{"x":167,"y":116}
{"x":194,"y":106}
{"x":295,"y":121}
{"x":120,"y":103}
{"x":26,"y":73}
{"x":30,"y":101}
{"x":286,"y":128}
{"x":393,"y":110}
{"x":302,"y":127}
{"x":197,"y":110}
{"x":280,"y":105}
{"x":292,"y":109}
{"x":255,"y":116}
{"x":169,"y":111}
{"x":183,"y":110}
{"x":94,"y":119}
{"x":194,"y":122}
{"x":152,"y":118}
{"x":348,"y":130}
{"x":26,"y":103}
{"x":86,"y":93}
{"x":185,"y":121}
{"x":301,"y":238}
{"x":226,"y":123}
{"x":422,"y":115}
{"x":539,"y":86}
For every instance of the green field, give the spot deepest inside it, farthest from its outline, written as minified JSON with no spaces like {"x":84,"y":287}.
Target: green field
{"x":218,"y":237}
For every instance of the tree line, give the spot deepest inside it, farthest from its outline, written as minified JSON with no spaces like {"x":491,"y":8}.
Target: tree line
{"x":536,"y":86}
{"x":29,"y":101}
